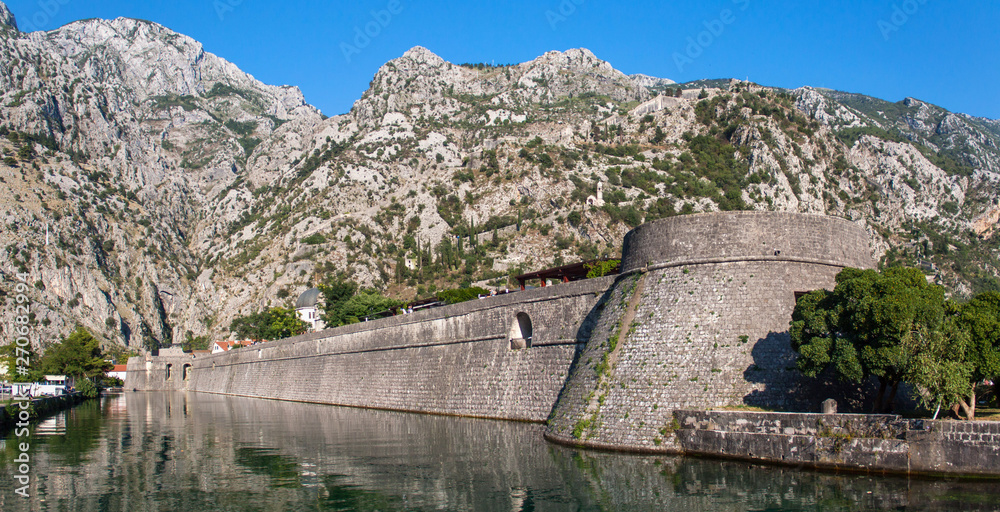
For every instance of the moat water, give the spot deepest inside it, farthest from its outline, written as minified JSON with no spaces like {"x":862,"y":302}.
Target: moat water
{"x":197,"y":452}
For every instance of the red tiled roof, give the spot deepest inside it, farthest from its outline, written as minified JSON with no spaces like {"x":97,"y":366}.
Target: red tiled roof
{"x":226,"y":345}
{"x":120,"y":368}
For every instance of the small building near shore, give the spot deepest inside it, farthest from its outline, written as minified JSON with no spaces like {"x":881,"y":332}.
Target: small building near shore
{"x":118,"y":372}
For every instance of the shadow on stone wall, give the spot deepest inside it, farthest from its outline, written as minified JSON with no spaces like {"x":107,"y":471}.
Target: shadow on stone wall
{"x":784,"y":388}
{"x":583,"y":335}
{"x":590,"y":322}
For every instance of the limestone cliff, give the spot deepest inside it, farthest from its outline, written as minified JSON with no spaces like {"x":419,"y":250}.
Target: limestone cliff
{"x":7,"y":21}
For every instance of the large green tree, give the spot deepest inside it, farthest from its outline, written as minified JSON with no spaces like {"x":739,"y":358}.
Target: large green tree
{"x":335,"y":294}
{"x":979,"y":319}
{"x":364,"y":304}
{"x":16,"y":369}
{"x":940,"y":369}
{"x":345,"y":304}
{"x":871,"y":324}
{"x":78,"y":355}
{"x":271,"y":324}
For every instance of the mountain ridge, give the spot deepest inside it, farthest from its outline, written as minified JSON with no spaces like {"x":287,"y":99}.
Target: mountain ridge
{"x":179,"y":192}
{"x":7,"y":20}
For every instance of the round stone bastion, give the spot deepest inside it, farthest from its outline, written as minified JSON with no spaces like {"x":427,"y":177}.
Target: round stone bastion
{"x":698,"y":319}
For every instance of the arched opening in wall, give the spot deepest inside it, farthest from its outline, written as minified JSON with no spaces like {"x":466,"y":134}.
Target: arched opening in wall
{"x":186,"y":371}
{"x":169,"y":367}
{"x":520,"y":332}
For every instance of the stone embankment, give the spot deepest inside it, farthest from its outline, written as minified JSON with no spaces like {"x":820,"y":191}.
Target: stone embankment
{"x":854,"y":442}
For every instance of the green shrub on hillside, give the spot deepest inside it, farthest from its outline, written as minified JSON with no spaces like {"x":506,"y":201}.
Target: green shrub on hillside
{"x":314,"y":239}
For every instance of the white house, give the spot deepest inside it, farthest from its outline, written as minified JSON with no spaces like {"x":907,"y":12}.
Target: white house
{"x":53,"y":385}
{"x":307,"y":309}
{"x":118,"y":372}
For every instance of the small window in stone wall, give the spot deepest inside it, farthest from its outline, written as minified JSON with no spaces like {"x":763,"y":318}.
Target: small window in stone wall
{"x":169,"y":367}
{"x":520,"y":332}
{"x":186,"y":371}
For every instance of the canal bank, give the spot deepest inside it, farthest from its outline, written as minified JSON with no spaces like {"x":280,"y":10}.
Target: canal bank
{"x":38,"y":408}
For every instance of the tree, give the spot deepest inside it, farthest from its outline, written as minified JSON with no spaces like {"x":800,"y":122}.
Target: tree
{"x":602,"y":268}
{"x":574,"y":218}
{"x":335,"y":294}
{"x":192,"y":343}
{"x":78,"y":355}
{"x":461,"y":295}
{"x":271,"y":324}
{"x":118,"y":354}
{"x":869,"y":325}
{"x":365,"y":303}
{"x":9,"y":355}
{"x":816,"y":337}
{"x":980,"y":319}
{"x":546,"y":161}
{"x":314,"y":239}
{"x":88,"y":389}
{"x":940,"y":371}
{"x":658,"y":136}
{"x":27,"y":152}
{"x":346,"y":304}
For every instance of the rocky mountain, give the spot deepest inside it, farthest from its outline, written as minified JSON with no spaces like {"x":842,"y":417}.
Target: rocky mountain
{"x":7,"y":21}
{"x":154,"y":191}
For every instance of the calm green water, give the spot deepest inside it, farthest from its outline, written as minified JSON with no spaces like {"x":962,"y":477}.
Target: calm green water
{"x":196,"y":452}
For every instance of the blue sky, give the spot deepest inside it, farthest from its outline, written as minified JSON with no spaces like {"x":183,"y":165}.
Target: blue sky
{"x":946,"y":53}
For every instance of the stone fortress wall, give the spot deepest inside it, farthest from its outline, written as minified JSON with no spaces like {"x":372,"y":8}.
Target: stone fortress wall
{"x":503,"y":357}
{"x":699,"y":319}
